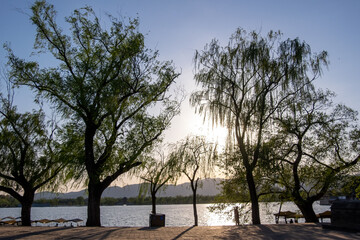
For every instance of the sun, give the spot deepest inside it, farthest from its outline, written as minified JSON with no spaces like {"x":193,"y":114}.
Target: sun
{"x":217,"y":135}
{"x":213,"y":133}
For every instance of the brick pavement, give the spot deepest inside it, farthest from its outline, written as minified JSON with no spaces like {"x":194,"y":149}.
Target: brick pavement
{"x":281,"y":231}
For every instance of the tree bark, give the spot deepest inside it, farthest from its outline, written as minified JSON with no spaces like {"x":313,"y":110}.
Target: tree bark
{"x":93,"y":210}
{"x":153,"y":202}
{"x":94,"y":187}
{"x":255,"y":213}
{"x":26,"y":203}
{"x":308,"y":211}
{"x":195,"y":209}
{"x":194,"y":188}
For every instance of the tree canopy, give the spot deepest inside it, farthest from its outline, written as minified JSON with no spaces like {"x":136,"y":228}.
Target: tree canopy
{"x":105,"y":86}
{"x":244,"y":83}
{"x":158,"y":169}
{"x":318,"y":142}
{"x":31,"y":157}
{"x":113,"y":97}
{"x":196,"y":159}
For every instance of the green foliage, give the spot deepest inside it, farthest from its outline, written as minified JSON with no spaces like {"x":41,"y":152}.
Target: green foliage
{"x":172,"y":200}
{"x":195,"y":157}
{"x":243,"y":85}
{"x":233,"y":191}
{"x":346,"y":186}
{"x":314,"y":147}
{"x":108,"y":201}
{"x":106,"y":83}
{"x":106,"y":86}
{"x":315,"y":144}
{"x":157,"y":171}
{"x":8,"y":201}
{"x":31,"y":157}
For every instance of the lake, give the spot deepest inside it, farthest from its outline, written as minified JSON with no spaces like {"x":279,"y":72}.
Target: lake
{"x":138,"y":215}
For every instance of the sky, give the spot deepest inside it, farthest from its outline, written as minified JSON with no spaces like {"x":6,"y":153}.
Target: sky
{"x":177,"y":28}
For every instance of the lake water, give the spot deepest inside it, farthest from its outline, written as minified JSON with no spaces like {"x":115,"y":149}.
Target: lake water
{"x":138,"y":216}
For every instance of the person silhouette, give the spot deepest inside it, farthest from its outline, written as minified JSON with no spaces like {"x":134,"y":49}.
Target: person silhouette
{"x":236,"y":216}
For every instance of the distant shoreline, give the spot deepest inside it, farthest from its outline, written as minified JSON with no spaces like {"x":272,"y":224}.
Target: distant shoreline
{"x":108,"y":201}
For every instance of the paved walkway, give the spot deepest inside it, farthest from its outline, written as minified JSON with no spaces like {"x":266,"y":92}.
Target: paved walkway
{"x":281,"y":231}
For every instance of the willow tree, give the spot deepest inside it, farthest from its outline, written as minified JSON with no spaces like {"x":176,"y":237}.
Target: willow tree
{"x":105,"y":86}
{"x":196,"y":160}
{"x":30,"y":156}
{"x":317,"y":144}
{"x":158,"y":170}
{"x":244,"y":83}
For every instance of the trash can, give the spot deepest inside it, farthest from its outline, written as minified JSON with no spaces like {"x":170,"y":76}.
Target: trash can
{"x":157,"y":220}
{"x":346,"y":214}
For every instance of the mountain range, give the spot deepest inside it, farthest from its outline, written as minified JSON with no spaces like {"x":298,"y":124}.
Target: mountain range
{"x":207,"y":187}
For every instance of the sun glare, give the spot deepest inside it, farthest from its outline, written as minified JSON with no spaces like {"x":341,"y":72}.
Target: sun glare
{"x":217,"y":135}
{"x":214,"y":134}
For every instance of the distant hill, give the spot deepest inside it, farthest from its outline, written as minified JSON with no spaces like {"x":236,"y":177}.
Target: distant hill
{"x":210,"y":187}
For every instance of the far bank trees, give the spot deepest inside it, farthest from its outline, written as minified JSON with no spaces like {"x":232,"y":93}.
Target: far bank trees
{"x":105,"y":86}
{"x":244,"y":83}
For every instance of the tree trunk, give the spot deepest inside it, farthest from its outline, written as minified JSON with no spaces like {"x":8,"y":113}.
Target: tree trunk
{"x":255,"y":213}
{"x":93,"y":209}
{"x":195,"y":209}
{"x":94,"y":187}
{"x":26,"y":204}
{"x":153,"y":202}
{"x":307,"y":210}
{"x":194,"y":188}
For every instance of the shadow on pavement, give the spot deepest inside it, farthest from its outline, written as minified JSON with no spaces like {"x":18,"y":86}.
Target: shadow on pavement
{"x":28,"y":234}
{"x":284,"y":232}
{"x":183,"y":232}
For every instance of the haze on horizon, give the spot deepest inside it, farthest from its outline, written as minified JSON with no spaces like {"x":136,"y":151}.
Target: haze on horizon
{"x":178,"y":28}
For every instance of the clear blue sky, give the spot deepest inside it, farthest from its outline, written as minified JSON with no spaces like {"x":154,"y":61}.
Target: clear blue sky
{"x":179,"y":27}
